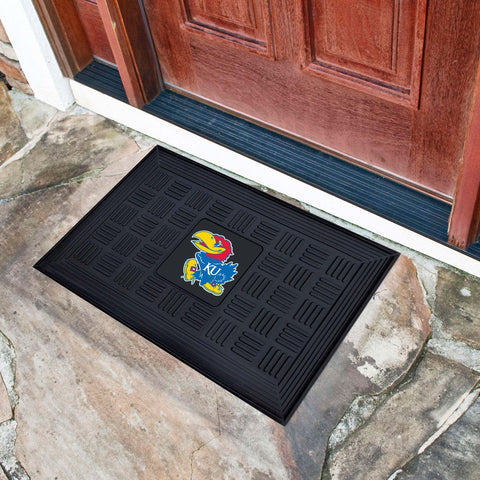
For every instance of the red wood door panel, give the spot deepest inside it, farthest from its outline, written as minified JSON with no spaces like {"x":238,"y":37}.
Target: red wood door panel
{"x":241,"y":21}
{"x":320,"y":112}
{"x":373,"y":43}
{"x":373,"y":80}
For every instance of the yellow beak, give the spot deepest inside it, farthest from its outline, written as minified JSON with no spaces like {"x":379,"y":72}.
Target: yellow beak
{"x":207,"y":243}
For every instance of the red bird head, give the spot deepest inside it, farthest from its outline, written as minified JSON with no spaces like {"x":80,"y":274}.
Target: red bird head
{"x":216,"y":247}
{"x":221,"y":242}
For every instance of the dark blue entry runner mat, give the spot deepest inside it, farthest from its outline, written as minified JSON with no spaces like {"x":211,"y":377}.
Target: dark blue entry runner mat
{"x":250,"y":291}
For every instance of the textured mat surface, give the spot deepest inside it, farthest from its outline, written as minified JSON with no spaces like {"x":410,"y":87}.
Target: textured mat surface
{"x":248,"y":290}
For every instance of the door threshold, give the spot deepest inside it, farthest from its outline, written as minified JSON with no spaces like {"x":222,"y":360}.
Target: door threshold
{"x":341,"y":189}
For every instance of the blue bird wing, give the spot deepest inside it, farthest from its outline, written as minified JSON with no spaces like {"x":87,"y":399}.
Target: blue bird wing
{"x":227,"y":273}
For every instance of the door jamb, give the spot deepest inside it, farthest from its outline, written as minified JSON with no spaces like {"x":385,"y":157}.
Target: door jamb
{"x":464,"y":224}
{"x":128,"y":34}
{"x":66,"y":34}
{"x":132,"y":46}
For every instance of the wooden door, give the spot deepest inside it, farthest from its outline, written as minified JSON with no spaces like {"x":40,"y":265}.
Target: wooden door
{"x":385,"y":83}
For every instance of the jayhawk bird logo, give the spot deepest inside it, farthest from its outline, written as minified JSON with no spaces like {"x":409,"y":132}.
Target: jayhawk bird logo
{"x":209,"y":267}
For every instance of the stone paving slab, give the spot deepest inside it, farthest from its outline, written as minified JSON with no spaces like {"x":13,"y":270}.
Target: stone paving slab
{"x":402,"y":421}
{"x":74,"y":147}
{"x":12,"y":135}
{"x":454,"y":456}
{"x":32,"y":118}
{"x":5,"y":407}
{"x":457,"y":306}
{"x":11,"y":180}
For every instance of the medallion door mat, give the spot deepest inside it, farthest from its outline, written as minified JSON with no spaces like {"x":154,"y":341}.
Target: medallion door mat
{"x":248,"y":290}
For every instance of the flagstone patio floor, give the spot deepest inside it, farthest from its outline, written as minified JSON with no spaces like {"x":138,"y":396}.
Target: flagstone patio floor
{"x":83,"y":398}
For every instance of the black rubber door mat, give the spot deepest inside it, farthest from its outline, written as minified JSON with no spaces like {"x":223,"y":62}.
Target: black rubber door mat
{"x":250,"y":291}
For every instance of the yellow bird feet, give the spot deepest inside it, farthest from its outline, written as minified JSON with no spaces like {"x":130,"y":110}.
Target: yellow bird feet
{"x":213,"y":288}
{"x":189,"y":268}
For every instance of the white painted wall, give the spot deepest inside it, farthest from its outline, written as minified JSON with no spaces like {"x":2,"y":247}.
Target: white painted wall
{"x":34,"y":53}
